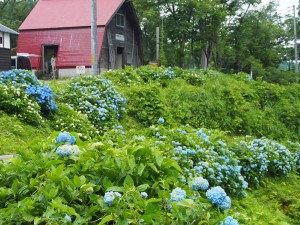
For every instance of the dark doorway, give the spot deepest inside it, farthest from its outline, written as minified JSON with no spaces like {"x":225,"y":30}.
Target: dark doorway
{"x":120,"y":58}
{"x":49,"y":52}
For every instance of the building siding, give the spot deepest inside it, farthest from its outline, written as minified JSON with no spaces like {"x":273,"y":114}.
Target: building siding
{"x":5,"y":60}
{"x":74,"y":45}
{"x":131,"y":44}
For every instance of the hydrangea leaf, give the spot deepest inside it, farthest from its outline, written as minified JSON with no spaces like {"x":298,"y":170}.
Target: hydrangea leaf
{"x":79,"y":181}
{"x":106,"y":219}
{"x":153,"y":167}
{"x":128,"y":182}
{"x":115,"y":189}
{"x":143,"y":187}
{"x":158,"y":157}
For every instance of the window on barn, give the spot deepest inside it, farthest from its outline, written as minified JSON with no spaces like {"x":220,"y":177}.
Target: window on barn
{"x":120,"y":20}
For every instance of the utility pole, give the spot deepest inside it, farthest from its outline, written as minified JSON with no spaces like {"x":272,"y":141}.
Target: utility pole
{"x":94,"y":44}
{"x":295,"y":41}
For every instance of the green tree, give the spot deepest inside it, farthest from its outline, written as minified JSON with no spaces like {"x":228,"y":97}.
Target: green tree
{"x":257,"y":39}
{"x":14,"y":12}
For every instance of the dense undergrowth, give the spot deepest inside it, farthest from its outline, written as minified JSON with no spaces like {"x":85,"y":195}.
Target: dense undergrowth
{"x":150,"y":146}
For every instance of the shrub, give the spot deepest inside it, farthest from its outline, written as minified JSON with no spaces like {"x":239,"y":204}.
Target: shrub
{"x":14,"y":100}
{"x":203,"y":154}
{"x":95,"y":97}
{"x":144,"y":104}
{"x":37,"y":91}
{"x":214,"y":100}
{"x":262,"y":157}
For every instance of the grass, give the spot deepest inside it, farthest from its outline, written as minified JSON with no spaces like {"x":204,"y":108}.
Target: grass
{"x":15,"y":134}
{"x":276,"y":202}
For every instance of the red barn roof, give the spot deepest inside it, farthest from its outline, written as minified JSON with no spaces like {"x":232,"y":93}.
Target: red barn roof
{"x":69,"y":13}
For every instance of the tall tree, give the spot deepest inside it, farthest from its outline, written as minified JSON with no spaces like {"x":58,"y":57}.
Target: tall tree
{"x":257,"y":39}
{"x":14,"y":12}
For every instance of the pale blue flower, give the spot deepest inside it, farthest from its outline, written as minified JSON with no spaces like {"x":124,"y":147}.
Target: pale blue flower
{"x":110,"y":196}
{"x":64,"y":150}
{"x":199,"y":183}
{"x":161,"y":120}
{"x":226,"y":204}
{"x":216,"y":195}
{"x":177,"y":195}
{"x":68,"y":218}
{"x":144,"y":194}
{"x":65,"y":137}
{"x":229,"y":221}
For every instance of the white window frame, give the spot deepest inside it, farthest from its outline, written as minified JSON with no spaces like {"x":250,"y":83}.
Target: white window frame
{"x":120,"y":16}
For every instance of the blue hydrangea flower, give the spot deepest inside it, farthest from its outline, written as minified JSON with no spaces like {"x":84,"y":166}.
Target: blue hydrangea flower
{"x":65,"y":137}
{"x":161,"y":120}
{"x":203,"y":135}
{"x":144,"y":194}
{"x":226,"y":204}
{"x":199,"y":183}
{"x":229,"y":221}
{"x":119,"y":127}
{"x":110,"y":196}
{"x":177,"y":195}
{"x":68,"y":218}
{"x":216,"y":195}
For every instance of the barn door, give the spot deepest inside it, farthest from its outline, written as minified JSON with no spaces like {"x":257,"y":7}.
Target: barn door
{"x":120,"y":58}
{"x":49,"y":51}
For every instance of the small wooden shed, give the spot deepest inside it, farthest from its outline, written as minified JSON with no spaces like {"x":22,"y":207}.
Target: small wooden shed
{"x":62,"y":28}
{"x":5,"y":47}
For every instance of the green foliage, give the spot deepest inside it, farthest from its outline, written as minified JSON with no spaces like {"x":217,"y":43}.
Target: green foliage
{"x":13,"y":12}
{"x":206,"y":98}
{"x":144,"y":103}
{"x":278,"y":203}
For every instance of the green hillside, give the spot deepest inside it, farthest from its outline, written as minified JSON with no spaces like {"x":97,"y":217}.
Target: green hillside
{"x":151,"y":145}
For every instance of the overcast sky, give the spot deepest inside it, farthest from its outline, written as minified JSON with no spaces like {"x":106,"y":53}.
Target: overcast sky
{"x":284,"y":5}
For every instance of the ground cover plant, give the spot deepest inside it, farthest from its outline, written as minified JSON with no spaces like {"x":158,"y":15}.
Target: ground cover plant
{"x":152,"y":163}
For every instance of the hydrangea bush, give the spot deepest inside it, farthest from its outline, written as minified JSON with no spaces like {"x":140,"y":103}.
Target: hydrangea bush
{"x":203,"y":155}
{"x":14,"y":100}
{"x":262,"y":157}
{"x":23,"y":79}
{"x":96,"y":97}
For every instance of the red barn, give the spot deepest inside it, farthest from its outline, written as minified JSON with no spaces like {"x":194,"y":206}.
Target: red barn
{"x":62,"y":29}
